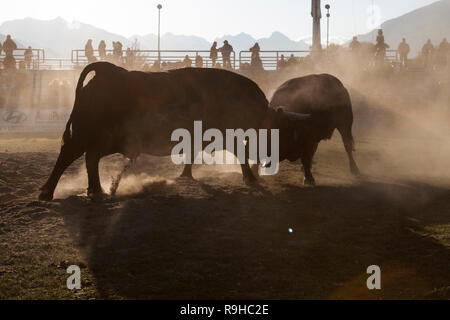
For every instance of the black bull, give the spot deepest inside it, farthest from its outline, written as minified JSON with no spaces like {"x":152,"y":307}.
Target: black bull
{"x":328,"y":102}
{"x":134,"y":112}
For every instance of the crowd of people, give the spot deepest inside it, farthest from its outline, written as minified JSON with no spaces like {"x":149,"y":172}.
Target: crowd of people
{"x":9,"y":62}
{"x":355,"y":60}
{"x":115,"y":55}
{"x":430,"y":55}
{"x":221,"y":57}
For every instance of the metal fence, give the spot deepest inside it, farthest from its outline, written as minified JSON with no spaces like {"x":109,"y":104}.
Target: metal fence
{"x":173,"y":58}
{"x":37,"y":58}
{"x":271,"y":58}
{"x":79,"y":58}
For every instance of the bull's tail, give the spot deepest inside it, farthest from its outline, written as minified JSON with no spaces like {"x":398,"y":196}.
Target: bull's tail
{"x":347,"y":137}
{"x":345,"y":122}
{"x":97,"y":67}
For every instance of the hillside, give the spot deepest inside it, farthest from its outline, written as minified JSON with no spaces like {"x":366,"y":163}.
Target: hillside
{"x":430,"y":22}
{"x":58,"y":37}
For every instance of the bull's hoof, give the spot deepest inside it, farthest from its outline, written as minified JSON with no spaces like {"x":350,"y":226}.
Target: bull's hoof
{"x":46,"y":195}
{"x":309,"y":182}
{"x":355,"y":171}
{"x":98,"y":195}
{"x":187,"y":176}
{"x":250,"y":180}
{"x":255,"y":170}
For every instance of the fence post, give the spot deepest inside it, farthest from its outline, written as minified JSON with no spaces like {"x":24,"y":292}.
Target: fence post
{"x":276,"y":64}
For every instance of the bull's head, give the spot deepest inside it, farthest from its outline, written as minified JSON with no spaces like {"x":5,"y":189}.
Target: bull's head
{"x":293,"y":127}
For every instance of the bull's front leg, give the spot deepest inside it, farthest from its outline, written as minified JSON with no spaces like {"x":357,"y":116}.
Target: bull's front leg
{"x":307,"y":159}
{"x":187,"y":172}
{"x":249,"y":177}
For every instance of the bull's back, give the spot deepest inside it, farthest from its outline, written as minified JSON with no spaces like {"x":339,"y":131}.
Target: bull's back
{"x":323,"y":96}
{"x":228,"y":100}
{"x":311,"y":94}
{"x":153,"y":105}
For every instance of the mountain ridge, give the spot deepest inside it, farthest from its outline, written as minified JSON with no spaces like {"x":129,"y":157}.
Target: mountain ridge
{"x":58,"y":36}
{"x":417,"y":26}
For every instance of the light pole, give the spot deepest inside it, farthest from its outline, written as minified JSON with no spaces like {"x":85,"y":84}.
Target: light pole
{"x":328,"y":23}
{"x":159,"y":33}
{"x":316,"y":13}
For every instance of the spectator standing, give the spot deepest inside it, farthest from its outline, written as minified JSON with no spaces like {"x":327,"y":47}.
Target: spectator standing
{"x":444,"y":50}
{"x":380,"y":47}
{"x":213,"y":53}
{"x":292,"y":60}
{"x":89,"y":51}
{"x":102,"y":50}
{"x":187,"y":62}
{"x":355,"y":46}
{"x":427,"y":50}
{"x":117,"y":51}
{"x":226,"y":53}
{"x":28,"y":57}
{"x":129,"y":58}
{"x":9,"y":46}
{"x":198,"y":61}
{"x":281,"y":64}
{"x":256,"y":62}
{"x":403,"y":51}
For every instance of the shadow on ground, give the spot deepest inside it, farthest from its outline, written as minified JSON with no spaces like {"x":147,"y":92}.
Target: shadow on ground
{"x":233,"y":243}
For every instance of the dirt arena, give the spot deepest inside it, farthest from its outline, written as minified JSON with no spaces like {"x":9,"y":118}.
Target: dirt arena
{"x":215,"y":238}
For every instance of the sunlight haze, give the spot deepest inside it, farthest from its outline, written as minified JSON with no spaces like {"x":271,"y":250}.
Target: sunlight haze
{"x":258,"y":18}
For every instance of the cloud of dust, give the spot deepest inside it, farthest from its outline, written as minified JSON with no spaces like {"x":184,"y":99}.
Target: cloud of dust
{"x":403,"y":115}
{"x":138,"y":183}
{"x":134,"y":181}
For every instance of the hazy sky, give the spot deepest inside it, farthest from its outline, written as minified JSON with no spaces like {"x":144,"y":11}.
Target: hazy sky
{"x":212,"y":18}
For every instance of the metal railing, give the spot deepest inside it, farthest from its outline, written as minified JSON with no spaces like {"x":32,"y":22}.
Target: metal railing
{"x":37,"y":58}
{"x":173,"y":58}
{"x":392,"y":55}
{"x":270,"y":58}
{"x":79,"y":58}
{"x":57,"y":64}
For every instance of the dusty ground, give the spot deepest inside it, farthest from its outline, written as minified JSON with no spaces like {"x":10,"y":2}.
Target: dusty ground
{"x":166,"y":238}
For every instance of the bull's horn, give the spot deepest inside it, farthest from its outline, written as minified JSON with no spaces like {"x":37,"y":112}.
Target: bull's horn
{"x":298,"y":116}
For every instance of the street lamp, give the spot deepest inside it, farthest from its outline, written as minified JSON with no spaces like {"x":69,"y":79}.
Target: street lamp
{"x":328,"y":23}
{"x":159,"y":33}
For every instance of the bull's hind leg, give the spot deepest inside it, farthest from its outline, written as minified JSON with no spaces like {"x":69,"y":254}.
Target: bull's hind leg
{"x":249,"y":177}
{"x":187,"y":171}
{"x":347,"y":138}
{"x":95,"y":190}
{"x":69,"y":153}
{"x":255,"y":170}
{"x":307,"y":159}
